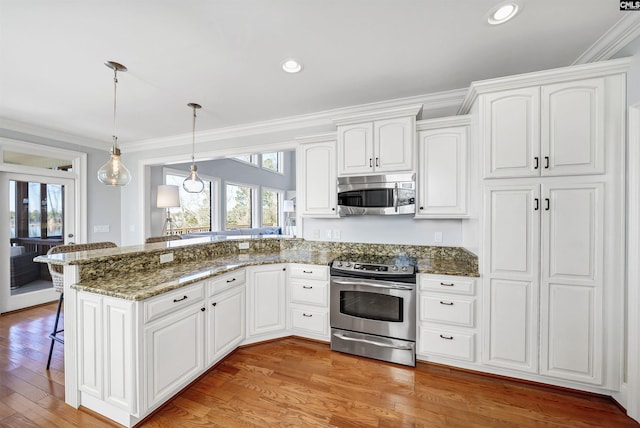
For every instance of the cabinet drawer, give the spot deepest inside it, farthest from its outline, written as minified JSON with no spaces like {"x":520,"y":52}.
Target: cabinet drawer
{"x":172,"y":301}
{"x":309,"y":292}
{"x":222,"y":282}
{"x":310,"y":321}
{"x":446,"y":343}
{"x":447,"y":284}
{"x":446,"y":310}
{"x":309,"y":272}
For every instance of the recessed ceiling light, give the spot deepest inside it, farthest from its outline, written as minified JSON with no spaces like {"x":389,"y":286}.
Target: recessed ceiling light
{"x":291,"y":66}
{"x":503,"y":13}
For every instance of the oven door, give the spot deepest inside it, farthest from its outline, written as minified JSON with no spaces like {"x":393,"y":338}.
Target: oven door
{"x":382,"y":308}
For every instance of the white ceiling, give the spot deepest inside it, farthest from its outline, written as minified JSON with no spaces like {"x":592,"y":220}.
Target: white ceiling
{"x":226,"y":56}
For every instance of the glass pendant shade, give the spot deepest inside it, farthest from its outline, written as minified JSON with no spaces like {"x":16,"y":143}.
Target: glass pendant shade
{"x":114,"y":173}
{"x":193,"y":183}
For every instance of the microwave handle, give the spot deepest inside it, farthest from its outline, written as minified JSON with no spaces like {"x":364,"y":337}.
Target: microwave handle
{"x":395,"y":197}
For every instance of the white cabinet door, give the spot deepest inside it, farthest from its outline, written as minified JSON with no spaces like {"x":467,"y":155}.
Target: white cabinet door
{"x":319,"y":175}
{"x":174,"y":353}
{"x":393,"y":144}
{"x":511,"y":271}
{"x":442,"y":177}
{"x":225,"y":323}
{"x":573,"y":128}
{"x":510,"y":122}
{"x":572,"y":282}
{"x":355,"y":149}
{"x":266,"y":299}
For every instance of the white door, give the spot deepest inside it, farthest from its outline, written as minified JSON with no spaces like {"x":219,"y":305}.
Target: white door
{"x":510,"y":122}
{"x":319,"y":172}
{"x":572,"y":282}
{"x":573,"y":128}
{"x":355,"y":149}
{"x":225,"y":323}
{"x":511,"y":272}
{"x":442,"y":176}
{"x":266,"y":300}
{"x":39,"y":213}
{"x":393,"y":144}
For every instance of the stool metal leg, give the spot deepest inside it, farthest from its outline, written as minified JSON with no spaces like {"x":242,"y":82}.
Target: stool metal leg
{"x":54,"y":334}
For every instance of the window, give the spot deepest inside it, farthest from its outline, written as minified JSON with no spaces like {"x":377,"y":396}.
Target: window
{"x":43,"y":217}
{"x":272,"y":161}
{"x":271,"y":207}
{"x":239,"y":206}
{"x":195,"y":213}
{"x":252,"y":159}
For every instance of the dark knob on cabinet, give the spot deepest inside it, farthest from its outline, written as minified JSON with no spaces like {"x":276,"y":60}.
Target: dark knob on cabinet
{"x":421,"y":208}
{"x":202,"y":309}
{"x":213,"y":304}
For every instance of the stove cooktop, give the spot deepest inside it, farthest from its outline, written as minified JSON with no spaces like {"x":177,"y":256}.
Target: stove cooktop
{"x":376,"y":264}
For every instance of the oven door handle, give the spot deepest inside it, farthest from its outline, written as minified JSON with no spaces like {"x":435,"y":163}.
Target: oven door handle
{"x":371,"y":342}
{"x":370,"y":284}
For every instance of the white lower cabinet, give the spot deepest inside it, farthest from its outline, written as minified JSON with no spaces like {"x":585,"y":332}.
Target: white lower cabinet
{"x":309,"y":301}
{"x":266,"y":301}
{"x":447,"y":326}
{"x":174,"y":355}
{"x":225,"y":322}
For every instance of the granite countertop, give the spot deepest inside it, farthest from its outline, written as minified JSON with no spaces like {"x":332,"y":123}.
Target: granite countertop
{"x":144,"y":284}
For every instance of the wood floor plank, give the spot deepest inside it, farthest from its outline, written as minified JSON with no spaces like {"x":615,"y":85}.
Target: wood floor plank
{"x":296,"y":383}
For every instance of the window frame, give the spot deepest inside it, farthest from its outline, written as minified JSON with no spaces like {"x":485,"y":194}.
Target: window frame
{"x":254,"y":204}
{"x":280,"y":214}
{"x":280,"y":159}
{"x":215,"y":193}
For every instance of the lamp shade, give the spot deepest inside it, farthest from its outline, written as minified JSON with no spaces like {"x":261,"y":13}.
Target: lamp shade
{"x":168,"y":196}
{"x":288,"y":206}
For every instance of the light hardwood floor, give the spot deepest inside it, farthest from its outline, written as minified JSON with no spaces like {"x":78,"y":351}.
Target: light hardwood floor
{"x":295,"y":383}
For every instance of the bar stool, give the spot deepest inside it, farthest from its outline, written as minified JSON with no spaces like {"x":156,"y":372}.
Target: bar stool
{"x":58,"y":283}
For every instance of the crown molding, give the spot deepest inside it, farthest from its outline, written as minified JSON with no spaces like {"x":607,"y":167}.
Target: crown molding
{"x":545,"y":77}
{"x":52,"y":134}
{"x":617,"y":37}
{"x":445,"y":122}
{"x":318,"y":138}
{"x":301,"y":122}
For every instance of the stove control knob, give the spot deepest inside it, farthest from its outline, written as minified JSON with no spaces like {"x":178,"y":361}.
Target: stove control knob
{"x":357,"y":266}
{"x":347,"y":264}
{"x":404,"y":268}
{"x":394,"y":268}
{"x":338,"y":264}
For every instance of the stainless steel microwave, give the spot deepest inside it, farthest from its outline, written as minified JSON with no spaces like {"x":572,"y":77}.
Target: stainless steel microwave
{"x":389,"y":194}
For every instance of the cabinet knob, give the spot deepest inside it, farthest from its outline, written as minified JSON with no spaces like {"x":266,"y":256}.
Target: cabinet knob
{"x":333,"y":209}
{"x":213,"y":304}
{"x":421,"y":208}
{"x":202,"y":309}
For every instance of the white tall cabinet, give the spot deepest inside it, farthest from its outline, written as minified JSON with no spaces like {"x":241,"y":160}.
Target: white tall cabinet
{"x":552,"y":150}
{"x":317,"y":176}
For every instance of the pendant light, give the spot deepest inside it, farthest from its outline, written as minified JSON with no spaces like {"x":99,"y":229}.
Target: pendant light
{"x":193,"y":183}
{"x":114,"y":173}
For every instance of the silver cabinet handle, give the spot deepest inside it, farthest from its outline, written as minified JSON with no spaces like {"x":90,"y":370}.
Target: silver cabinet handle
{"x":371,"y":342}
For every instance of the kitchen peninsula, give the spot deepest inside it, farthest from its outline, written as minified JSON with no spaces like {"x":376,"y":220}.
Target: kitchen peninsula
{"x":138,"y":330}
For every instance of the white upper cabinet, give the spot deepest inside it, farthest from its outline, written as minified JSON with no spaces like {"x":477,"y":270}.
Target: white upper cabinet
{"x":511,"y":133}
{"x":376,"y":143}
{"x":550,"y":130}
{"x":573,"y":128}
{"x":442,"y":173}
{"x":317,"y":164}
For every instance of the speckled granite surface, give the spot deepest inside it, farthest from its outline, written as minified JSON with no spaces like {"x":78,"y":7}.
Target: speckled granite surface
{"x":135,"y":273}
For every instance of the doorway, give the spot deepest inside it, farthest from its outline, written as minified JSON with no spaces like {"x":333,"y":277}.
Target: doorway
{"x":39,"y":213}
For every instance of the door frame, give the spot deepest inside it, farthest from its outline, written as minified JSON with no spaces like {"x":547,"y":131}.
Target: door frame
{"x":633,"y":270}
{"x":78,"y":178}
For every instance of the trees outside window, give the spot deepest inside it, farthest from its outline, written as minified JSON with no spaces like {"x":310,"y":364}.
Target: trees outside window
{"x":239,"y":206}
{"x":271,"y":207}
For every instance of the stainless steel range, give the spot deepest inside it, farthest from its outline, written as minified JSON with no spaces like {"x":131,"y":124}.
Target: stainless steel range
{"x":373,"y":307}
